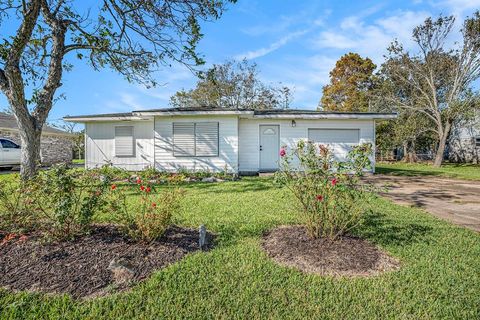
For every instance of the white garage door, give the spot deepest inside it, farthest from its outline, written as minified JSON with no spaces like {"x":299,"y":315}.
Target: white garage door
{"x":340,"y":141}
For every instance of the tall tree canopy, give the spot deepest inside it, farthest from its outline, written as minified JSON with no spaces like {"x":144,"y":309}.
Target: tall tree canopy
{"x":233,"y":85}
{"x":39,"y":37}
{"x":436,"y":81}
{"x":350,"y":82}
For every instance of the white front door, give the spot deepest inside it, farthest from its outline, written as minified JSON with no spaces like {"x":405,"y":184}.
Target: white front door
{"x":269,"y":147}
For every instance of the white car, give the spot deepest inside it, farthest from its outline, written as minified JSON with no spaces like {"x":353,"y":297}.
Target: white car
{"x":9,"y":153}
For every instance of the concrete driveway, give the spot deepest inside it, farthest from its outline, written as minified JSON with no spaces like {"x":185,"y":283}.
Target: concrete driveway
{"x":457,"y":201}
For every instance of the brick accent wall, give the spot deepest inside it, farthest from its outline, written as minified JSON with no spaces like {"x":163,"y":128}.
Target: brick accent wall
{"x":53,"y":149}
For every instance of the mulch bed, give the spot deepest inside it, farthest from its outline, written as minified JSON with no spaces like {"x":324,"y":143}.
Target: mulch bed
{"x":81,"y":267}
{"x":346,"y":256}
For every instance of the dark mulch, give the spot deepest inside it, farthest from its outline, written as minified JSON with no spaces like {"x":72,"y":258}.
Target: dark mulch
{"x":80,"y":267}
{"x":346,"y":256}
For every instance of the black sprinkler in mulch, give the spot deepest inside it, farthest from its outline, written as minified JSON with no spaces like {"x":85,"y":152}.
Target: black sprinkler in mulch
{"x":346,"y":256}
{"x":94,"y":264}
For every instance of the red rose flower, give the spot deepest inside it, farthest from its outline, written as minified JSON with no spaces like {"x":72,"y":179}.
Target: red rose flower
{"x":142,"y":188}
{"x":334,"y":181}
{"x":283,"y":152}
{"x":319,"y":198}
{"x":154,"y":205}
{"x":139,"y":181}
{"x":114,"y":187}
{"x":148,"y":189}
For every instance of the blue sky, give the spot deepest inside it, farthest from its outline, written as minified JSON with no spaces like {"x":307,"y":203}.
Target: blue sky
{"x":293,"y":42}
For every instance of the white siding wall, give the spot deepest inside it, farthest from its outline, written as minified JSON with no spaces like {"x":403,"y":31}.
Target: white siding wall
{"x":228,"y":145}
{"x":249,"y":135}
{"x":100,"y":145}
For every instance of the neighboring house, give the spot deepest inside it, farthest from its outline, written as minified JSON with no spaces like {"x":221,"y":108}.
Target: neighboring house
{"x":242,"y":141}
{"x":464,"y":142}
{"x":56,"y":145}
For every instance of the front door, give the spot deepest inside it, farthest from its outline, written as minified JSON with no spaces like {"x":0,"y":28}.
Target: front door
{"x":269,"y":147}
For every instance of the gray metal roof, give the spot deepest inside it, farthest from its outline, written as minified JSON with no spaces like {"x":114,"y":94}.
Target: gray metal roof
{"x":103,"y":115}
{"x":9,"y":122}
{"x":268,"y":112}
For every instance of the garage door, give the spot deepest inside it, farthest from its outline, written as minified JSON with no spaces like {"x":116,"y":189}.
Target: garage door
{"x":340,"y":141}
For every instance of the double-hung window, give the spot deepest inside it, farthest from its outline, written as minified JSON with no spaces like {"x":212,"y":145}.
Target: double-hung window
{"x":124,"y":141}
{"x":195,"y":139}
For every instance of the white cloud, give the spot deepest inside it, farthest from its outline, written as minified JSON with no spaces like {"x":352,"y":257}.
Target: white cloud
{"x":459,"y":6}
{"x":371,"y":39}
{"x":272,"y":47}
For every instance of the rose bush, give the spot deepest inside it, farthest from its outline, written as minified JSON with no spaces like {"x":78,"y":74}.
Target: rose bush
{"x":59,"y":202}
{"x":149,"y":217}
{"x":327,"y":191}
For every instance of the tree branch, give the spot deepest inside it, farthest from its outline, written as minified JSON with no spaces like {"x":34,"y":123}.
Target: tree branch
{"x":23,"y":34}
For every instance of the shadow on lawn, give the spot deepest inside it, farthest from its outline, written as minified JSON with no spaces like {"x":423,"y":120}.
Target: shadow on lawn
{"x":407,"y":172}
{"x":378,"y":228}
{"x":232,"y":187}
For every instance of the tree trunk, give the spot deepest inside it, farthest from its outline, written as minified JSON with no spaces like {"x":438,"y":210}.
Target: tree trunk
{"x":441,"y":145}
{"x":30,"y":152}
{"x":413,"y":152}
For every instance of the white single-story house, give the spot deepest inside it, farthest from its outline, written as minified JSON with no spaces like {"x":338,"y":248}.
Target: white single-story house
{"x":217,"y":139}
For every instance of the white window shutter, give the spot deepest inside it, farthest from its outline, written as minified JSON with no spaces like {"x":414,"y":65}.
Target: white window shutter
{"x":124,"y":141}
{"x":183,"y":139}
{"x":206,"y":135}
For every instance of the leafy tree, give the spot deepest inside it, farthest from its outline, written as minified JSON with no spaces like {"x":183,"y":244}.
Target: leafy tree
{"x":350,"y":82}
{"x":435,"y":81}
{"x":233,"y":85}
{"x":131,"y":37}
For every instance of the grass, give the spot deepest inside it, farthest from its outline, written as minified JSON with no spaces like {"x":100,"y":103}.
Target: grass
{"x":439,"y":278}
{"x":449,"y":170}
{"x":78,"y":161}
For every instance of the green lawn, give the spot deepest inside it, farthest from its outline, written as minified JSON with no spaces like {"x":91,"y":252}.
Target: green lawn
{"x":450,"y":170}
{"x":439,"y":278}
{"x":78,"y":161}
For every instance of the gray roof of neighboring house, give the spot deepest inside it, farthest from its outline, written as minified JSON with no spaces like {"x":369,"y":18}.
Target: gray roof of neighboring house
{"x":9,"y":122}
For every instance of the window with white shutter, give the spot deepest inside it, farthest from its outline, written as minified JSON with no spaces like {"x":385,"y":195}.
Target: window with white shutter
{"x":198,"y":139}
{"x":124,"y":141}
{"x":183,"y":139}
{"x":206,"y":139}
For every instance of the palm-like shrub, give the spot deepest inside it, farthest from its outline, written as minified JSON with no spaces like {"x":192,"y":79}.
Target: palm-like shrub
{"x":328,"y":192}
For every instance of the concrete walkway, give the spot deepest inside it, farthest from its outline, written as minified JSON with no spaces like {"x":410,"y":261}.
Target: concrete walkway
{"x":457,"y":201}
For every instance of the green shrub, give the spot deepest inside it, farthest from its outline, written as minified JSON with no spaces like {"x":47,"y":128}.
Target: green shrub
{"x":16,"y":211}
{"x":147,"y":219}
{"x":65,"y":200}
{"x":328,"y":192}
{"x":59,"y":202}
{"x":149,"y":173}
{"x":110,"y":173}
